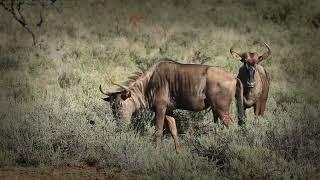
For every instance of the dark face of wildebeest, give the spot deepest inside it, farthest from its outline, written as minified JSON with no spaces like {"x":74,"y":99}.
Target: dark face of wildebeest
{"x":250,"y":60}
{"x":120,"y":104}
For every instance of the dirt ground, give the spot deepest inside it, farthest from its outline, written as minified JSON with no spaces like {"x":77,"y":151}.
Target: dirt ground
{"x":61,"y":172}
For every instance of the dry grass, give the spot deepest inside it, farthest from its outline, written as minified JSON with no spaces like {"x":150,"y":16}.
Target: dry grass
{"x":51,"y":112}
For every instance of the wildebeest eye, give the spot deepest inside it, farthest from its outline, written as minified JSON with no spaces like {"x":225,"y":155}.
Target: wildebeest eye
{"x":252,"y":64}
{"x":125,"y":95}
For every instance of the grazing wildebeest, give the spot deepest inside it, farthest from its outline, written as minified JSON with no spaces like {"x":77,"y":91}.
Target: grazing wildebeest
{"x":168,"y":85}
{"x":255,"y":79}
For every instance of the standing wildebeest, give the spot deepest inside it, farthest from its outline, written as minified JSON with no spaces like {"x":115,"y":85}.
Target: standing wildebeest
{"x":255,"y":79}
{"x":169,"y":85}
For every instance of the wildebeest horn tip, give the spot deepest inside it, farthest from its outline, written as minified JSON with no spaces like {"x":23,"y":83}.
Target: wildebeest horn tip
{"x":105,"y":93}
{"x":266,"y":54}
{"x":232,"y":52}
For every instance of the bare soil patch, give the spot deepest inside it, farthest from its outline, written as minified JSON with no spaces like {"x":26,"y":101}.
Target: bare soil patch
{"x":61,"y":172}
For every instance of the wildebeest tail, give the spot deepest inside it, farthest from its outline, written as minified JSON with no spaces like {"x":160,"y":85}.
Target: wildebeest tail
{"x":239,"y":102}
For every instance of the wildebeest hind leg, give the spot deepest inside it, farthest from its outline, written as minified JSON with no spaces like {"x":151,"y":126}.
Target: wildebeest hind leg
{"x":225,"y":117}
{"x":173,"y":130}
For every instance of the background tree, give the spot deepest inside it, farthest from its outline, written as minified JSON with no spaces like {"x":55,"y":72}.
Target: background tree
{"x":16,"y":8}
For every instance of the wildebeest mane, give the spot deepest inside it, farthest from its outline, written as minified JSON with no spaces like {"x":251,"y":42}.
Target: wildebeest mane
{"x":138,"y":82}
{"x":145,"y":72}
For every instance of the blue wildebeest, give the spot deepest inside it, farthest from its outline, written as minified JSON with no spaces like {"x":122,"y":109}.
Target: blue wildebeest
{"x":168,"y":85}
{"x":255,"y":79}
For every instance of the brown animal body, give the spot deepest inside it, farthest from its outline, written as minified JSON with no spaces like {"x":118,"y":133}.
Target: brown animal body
{"x":255,"y":80}
{"x":169,"y":85}
{"x":136,"y":18}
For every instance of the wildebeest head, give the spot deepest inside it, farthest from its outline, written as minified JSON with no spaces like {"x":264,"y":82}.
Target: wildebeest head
{"x":121,"y":105}
{"x":250,"y":59}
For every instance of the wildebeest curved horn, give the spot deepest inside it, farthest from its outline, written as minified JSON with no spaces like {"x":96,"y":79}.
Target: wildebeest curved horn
{"x":105,"y":93}
{"x":123,"y":87}
{"x":232,"y":52}
{"x":266,"y":54}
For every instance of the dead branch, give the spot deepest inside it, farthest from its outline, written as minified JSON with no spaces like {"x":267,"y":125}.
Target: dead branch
{"x":15,"y":9}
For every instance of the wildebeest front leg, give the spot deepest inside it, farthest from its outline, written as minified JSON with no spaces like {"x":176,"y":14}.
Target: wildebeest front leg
{"x":160,"y":114}
{"x":263,"y":107}
{"x":215,"y":116}
{"x":173,"y":130}
{"x":245,"y":113}
{"x":257,"y":107}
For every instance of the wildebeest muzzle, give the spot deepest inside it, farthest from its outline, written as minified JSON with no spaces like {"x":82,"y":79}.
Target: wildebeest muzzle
{"x":251,"y":79}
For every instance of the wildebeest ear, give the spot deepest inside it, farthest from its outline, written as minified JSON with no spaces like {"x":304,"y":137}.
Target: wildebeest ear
{"x":106,"y":99}
{"x":260,"y":58}
{"x":125,"y":95}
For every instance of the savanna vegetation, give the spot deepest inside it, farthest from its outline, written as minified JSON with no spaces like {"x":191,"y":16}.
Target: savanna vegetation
{"x":52,"y":112}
